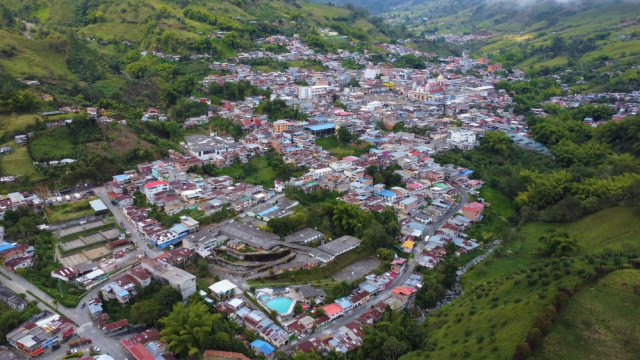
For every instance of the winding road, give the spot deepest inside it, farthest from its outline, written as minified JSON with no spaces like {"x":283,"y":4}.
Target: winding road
{"x":401,"y":279}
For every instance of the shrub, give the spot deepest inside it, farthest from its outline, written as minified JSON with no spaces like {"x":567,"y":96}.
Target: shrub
{"x":523,"y":351}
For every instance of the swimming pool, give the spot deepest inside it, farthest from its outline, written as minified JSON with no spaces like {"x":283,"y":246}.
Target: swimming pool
{"x":264,"y":297}
{"x":281,"y":304}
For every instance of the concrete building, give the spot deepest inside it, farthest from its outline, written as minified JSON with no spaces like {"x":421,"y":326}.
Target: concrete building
{"x":206,"y":147}
{"x":175,"y":277}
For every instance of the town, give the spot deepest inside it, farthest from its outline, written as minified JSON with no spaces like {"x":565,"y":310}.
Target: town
{"x":369,"y":138}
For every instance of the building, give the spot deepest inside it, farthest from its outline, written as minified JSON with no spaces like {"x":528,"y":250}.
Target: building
{"x":203,"y":242}
{"x":304,"y":236}
{"x":333,"y":310}
{"x":207,"y":148}
{"x":98,"y":207}
{"x":155,"y":187}
{"x":281,"y":126}
{"x":223,"y":288}
{"x":263,"y":347}
{"x":340,"y":245}
{"x":12,"y":300}
{"x":175,"y":277}
{"x":473,"y":211}
{"x":40,"y":333}
{"x":463,"y":137}
{"x":321,"y":130}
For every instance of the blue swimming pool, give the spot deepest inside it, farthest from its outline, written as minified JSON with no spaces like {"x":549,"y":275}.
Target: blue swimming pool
{"x":281,"y":304}
{"x":264,"y":297}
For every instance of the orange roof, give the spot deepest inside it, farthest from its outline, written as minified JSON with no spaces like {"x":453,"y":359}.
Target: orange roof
{"x":332,"y":309}
{"x":404,"y":290}
{"x":217,"y":354}
{"x":140,"y":352}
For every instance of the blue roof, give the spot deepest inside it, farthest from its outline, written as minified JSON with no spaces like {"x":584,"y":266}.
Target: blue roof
{"x":387,"y":193}
{"x":268,"y":211}
{"x":320,"y":127}
{"x":263,"y":346}
{"x":344,"y":303}
{"x":121,"y":178}
{"x":5,"y":246}
{"x":179,"y":228}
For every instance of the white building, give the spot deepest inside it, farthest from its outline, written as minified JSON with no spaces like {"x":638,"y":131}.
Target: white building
{"x":464,"y":137}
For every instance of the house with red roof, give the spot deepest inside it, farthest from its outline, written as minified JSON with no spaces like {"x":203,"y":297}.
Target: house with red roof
{"x":154,"y":187}
{"x":473,"y":211}
{"x":333,"y":310}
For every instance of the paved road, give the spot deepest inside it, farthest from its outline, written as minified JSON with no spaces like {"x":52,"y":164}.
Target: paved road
{"x":137,"y":238}
{"x":108,"y":345}
{"x":401,"y":279}
{"x":79,"y":316}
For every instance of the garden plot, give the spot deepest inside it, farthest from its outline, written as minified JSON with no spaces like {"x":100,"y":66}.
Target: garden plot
{"x":88,"y":240}
{"x":80,"y":228}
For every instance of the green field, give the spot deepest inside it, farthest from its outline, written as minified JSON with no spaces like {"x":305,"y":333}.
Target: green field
{"x":601,"y":322}
{"x":262,"y":172}
{"x":504,"y":294}
{"x":613,"y":229}
{"x":19,"y":162}
{"x":53,"y":145}
{"x":11,"y":123}
{"x":332,"y":145}
{"x":69,"y":210}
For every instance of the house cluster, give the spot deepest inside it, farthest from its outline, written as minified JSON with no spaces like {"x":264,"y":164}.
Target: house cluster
{"x":460,"y":38}
{"x":623,"y":104}
{"x":348,"y":337}
{"x":255,"y":320}
{"x":40,"y":333}
{"x":124,"y":287}
{"x":16,"y":256}
{"x":296,"y":49}
{"x":15,"y":200}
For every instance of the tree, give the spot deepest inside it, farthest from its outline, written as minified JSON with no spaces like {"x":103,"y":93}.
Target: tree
{"x":188,"y":330}
{"x":203,"y":269}
{"x":557,"y":244}
{"x":497,"y":142}
{"x":146,"y":312}
{"x":345,"y":136}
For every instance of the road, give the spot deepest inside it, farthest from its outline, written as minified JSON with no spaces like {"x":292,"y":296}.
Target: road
{"x":81,"y":317}
{"x":401,"y":279}
{"x":85,"y":327}
{"x":137,"y":238}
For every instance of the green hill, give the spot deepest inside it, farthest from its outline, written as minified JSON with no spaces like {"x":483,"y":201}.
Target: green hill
{"x":39,"y":39}
{"x":599,"y":323}
{"x":592,"y":33}
{"x":504,"y":295}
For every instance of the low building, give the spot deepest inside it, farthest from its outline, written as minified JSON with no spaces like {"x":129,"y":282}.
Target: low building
{"x":223,"y":288}
{"x":304,"y":236}
{"x":40,"y":333}
{"x":175,"y":277}
{"x":12,"y":300}
{"x":262,"y":347}
{"x":340,"y":245}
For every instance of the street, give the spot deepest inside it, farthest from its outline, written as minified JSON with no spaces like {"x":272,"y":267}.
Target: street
{"x":80,"y":316}
{"x":410,"y":267}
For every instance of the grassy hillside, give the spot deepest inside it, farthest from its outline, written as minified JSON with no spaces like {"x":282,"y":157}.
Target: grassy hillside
{"x":599,"y":323}
{"x":522,"y":35}
{"x":504,"y":294}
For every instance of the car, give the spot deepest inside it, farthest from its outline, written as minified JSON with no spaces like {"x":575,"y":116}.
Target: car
{"x":94,"y":349}
{"x":83,"y":305}
{"x":74,"y":350}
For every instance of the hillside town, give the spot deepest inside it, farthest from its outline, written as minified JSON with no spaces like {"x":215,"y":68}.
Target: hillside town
{"x":387,"y":118}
